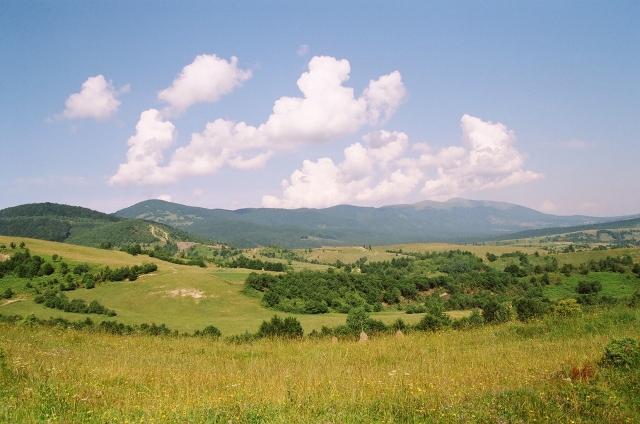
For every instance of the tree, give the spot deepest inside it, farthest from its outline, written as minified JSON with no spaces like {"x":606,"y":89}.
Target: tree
{"x":494,"y":312}
{"x":357,"y":318}
{"x":13,"y":245}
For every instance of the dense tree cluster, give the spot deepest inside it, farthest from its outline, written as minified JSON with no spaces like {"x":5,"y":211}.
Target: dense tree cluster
{"x":246,"y":263}
{"x":23,"y":265}
{"x":57,"y":300}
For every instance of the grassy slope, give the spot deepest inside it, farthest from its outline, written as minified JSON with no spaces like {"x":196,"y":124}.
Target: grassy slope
{"x":148,"y":299}
{"x":510,"y":373}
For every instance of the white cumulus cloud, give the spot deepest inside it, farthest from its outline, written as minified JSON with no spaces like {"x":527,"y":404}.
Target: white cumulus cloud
{"x":165,"y":197}
{"x":97,"y":100}
{"x":153,"y":135}
{"x":487,"y":159}
{"x":371,"y":172}
{"x":382,"y":168}
{"x":328,"y":111}
{"x":206,"y":79}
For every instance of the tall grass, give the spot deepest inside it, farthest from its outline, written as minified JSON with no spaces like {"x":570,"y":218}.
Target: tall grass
{"x":511,"y":373}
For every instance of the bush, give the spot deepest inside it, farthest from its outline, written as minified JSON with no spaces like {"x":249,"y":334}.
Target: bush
{"x":589,"y":287}
{"x":209,"y":331}
{"x":622,"y":353}
{"x":568,"y":308}
{"x":8,"y":294}
{"x":434,"y":320}
{"x":634,"y":302}
{"x":288,"y":328}
{"x":356,"y":319}
{"x":529,"y":308}
{"x":494,"y":312}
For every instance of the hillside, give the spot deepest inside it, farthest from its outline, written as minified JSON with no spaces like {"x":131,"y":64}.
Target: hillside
{"x":456,"y":220}
{"x":85,"y":227}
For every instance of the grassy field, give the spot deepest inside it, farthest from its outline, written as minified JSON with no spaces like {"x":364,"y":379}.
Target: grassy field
{"x":510,"y":373}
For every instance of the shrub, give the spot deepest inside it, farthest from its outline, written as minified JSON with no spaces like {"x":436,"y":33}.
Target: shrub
{"x":475,"y":319}
{"x":209,"y":331}
{"x":434,"y":320}
{"x":634,"y":302}
{"x":494,"y":312}
{"x":8,"y":294}
{"x":622,"y":353}
{"x":288,"y":328}
{"x":356,"y":319}
{"x":568,"y":308}
{"x":589,"y":287}
{"x":529,"y":308}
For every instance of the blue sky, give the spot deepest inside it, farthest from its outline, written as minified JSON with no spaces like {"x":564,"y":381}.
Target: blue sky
{"x":369,"y":103}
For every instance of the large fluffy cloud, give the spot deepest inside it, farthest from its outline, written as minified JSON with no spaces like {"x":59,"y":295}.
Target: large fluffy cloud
{"x":487,"y":159}
{"x":328,"y":111}
{"x":382,"y":169}
{"x":153,"y":135}
{"x":371,"y":172}
{"x":97,"y":100}
{"x":206,"y":79}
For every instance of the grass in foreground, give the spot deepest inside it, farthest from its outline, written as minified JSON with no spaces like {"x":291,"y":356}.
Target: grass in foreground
{"x":511,"y":373}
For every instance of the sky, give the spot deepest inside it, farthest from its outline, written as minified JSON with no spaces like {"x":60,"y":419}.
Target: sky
{"x":237,"y":104}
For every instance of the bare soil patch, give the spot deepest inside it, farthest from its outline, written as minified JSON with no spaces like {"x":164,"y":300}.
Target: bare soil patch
{"x":4,"y":257}
{"x":182,"y":245}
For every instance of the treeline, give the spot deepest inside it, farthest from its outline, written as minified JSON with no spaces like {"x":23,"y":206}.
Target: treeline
{"x":108,"y":327}
{"x":57,"y":300}
{"x":246,"y":263}
{"x":23,"y":265}
{"x":124,"y":273}
{"x":164,"y":253}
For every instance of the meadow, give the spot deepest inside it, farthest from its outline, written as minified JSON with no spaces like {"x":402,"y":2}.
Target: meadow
{"x":547,"y":369}
{"x":544,"y":371}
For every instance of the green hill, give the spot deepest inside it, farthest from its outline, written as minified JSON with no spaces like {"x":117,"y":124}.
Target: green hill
{"x":85,"y":227}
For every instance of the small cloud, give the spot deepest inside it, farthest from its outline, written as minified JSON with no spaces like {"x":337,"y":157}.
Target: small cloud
{"x":197,"y":192}
{"x":97,"y":100}
{"x":206,"y":79}
{"x":165,"y":197}
{"x":303,"y":50}
{"x":547,"y":206}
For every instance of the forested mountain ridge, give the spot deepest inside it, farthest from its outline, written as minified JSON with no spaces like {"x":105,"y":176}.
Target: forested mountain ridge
{"x":86,"y":227}
{"x":456,"y":220}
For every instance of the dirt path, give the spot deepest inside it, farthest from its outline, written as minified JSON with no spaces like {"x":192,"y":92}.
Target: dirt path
{"x":161,"y":238}
{"x":11,"y":301}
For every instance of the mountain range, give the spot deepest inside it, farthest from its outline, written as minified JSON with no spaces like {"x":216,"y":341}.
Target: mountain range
{"x":456,"y":220}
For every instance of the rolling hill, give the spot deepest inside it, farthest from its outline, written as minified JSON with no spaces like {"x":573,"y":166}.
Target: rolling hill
{"x":456,"y":220}
{"x":85,"y":227}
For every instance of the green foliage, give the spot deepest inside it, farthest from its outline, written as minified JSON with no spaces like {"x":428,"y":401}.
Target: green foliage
{"x":209,"y":331}
{"x":495,"y":313}
{"x":244,"y":262}
{"x":568,"y":308}
{"x":56,"y":300}
{"x":7,"y":294}
{"x":589,"y":287}
{"x":23,"y":265}
{"x":634,"y":302}
{"x":491,"y":257}
{"x":622,"y":353}
{"x":529,"y":308}
{"x":288,"y":328}
{"x":434,"y":320}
